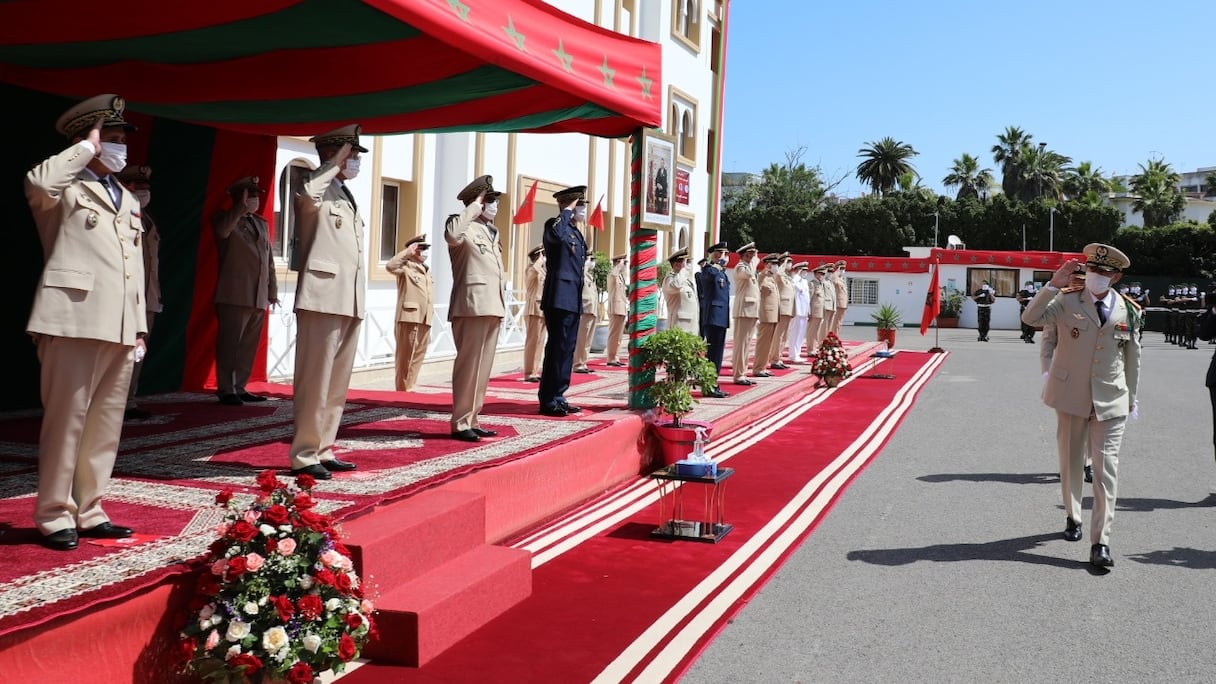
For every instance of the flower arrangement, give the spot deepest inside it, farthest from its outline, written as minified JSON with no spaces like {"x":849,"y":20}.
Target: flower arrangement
{"x":831,"y":361}
{"x":280,"y":598}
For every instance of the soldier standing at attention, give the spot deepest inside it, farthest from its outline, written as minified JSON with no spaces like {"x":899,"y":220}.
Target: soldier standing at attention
{"x":715,"y":310}
{"x":562,"y":299}
{"x":1095,"y":339}
{"x":683,"y":308}
{"x":244,"y":288}
{"x":841,"y":285}
{"x":829,"y":301}
{"x":746,"y":310}
{"x":815,"y":311}
{"x":586,"y":322}
{"x":138,"y":180}
{"x":618,"y":309}
{"x":88,"y":319}
{"x":785,"y":310}
{"x":534,"y":320}
{"x":477,"y":307}
{"x":984,"y":298}
{"x":1024,"y":296}
{"x":802,"y":304}
{"x":766,"y":335}
{"x":702,"y":267}
{"x":415,"y":307}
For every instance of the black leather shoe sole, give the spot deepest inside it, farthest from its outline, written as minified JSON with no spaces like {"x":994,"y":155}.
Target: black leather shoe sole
{"x":63,"y":540}
{"x":245,"y":396}
{"x":231,"y":400}
{"x":107,"y":530}
{"x":338,"y":466}
{"x":569,"y":409}
{"x":466,"y":436}
{"x":745,"y":381}
{"x":583,"y":370}
{"x":555,"y":412}
{"x":715,"y":394}
{"x":532,"y":379}
{"x":485,"y":433}
{"x":317,"y":470}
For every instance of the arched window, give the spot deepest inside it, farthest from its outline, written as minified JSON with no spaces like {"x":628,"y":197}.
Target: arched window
{"x":688,"y":136}
{"x":291,"y":182}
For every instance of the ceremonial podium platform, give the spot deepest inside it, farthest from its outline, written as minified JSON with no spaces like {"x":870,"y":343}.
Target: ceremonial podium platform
{"x":426,"y":533}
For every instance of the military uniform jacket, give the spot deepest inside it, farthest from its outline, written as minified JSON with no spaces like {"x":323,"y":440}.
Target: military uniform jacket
{"x":842,"y":292}
{"x":683,"y":307}
{"x":591,"y":293}
{"x":829,"y":294}
{"x":415,"y":289}
{"x":92,"y":282}
{"x":715,"y":297}
{"x":330,"y":234}
{"x":815,"y":297}
{"x":618,"y":293}
{"x":785,"y":294}
{"x":476,"y":257}
{"x":1094,"y":368}
{"x":747,"y":288}
{"x":770,"y":298}
{"x":151,"y":242}
{"x":565,"y":254}
{"x":534,"y":278}
{"x":246,"y":264}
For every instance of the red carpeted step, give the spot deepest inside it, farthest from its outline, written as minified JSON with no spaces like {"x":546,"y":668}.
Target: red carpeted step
{"x":407,"y":539}
{"x":419,"y":620}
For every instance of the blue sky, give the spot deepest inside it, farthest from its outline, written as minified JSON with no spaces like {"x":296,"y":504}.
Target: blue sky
{"x":1114,"y":82}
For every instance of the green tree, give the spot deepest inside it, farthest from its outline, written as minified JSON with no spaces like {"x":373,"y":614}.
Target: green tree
{"x":883,"y":163}
{"x":1042,"y":174}
{"x":777,"y":210}
{"x":1084,"y":178}
{"x":1158,"y":198}
{"x":1209,"y":184}
{"x":966,"y":175}
{"x":1008,"y":154}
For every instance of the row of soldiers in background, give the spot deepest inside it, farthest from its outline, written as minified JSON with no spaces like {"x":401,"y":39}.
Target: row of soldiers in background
{"x":1185,"y":304}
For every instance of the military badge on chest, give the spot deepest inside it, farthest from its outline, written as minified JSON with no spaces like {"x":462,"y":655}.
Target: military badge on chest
{"x":1122,"y":333}
{"x":1075,"y":333}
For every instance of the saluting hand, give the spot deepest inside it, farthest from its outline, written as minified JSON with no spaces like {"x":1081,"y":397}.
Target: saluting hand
{"x":1063,"y":274}
{"x":94,"y":137}
{"x":341,"y":155}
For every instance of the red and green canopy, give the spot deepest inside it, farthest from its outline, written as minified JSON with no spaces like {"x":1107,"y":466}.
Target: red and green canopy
{"x":298,"y":67}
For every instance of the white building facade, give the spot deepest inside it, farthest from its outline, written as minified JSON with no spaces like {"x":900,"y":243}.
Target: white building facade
{"x":409,"y":183}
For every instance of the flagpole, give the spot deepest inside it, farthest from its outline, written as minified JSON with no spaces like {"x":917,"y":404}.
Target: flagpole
{"x":937,"y":328}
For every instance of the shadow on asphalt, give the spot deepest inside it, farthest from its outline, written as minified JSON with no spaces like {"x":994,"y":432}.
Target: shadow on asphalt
{"x":1179,"y":557}
{"x":1009,"y":478}
{"x":1144,"y":505}
{"x":999,"y":550}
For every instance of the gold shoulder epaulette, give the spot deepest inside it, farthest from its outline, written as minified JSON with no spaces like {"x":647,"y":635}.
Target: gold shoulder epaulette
{"x":1070,"y":290}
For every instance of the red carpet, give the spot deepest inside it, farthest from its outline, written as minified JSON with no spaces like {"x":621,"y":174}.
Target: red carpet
{"x":611,"y":604}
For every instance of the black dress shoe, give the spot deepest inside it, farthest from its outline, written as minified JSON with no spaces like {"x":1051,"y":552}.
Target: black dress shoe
{"x":485,"y":433}
{"x":552,"y":412}
{"x":568,"y":408}
{"x":1099,"y":555}
{"x":247,"y":397}
{"x":616,"y":364}
{"x":745,"y":381}
{"x":466,"y":436}
{"x":231,"y":400}
{"x":317,"y":470}
{"x":136,"y":413}
{"x":337,"y":465}
{"x":1072,"y":530}
{"x":63,"y":540}
{"x":1089,"y":473}
{"x":762,"y":374}
{"x":106,"y":530}
{"x":583,"y":370}
{"x":715,"y":393}
{"x":532,"y":378}
{"x":778,"y":366}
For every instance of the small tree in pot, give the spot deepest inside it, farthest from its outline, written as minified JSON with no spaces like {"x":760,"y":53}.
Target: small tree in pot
{"x":887,"y":317}
{"x":682,"y":357}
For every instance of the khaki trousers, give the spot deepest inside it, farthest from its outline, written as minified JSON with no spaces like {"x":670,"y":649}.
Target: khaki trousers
{"x":476,"y":340}
{"x":825,"y":325}
{"x":582,"y":348}
{"x":766,"y":338}
{"x":814,"y":335}
{"x":325,"y":355}
{"x":138,"y":366}
{"x":534,"y":345}
{"x":779,"y":338}
{"x":616,"y":328}
{"x":236,"y":345}
{"x":838,"y":318}
{"x":744,"y":327}
{"x":412,"y":342}
{"x":1105,"y":438}
{"x":84,"y":394}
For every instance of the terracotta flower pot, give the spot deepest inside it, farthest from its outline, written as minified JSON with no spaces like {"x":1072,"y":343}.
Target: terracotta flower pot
{"x":832,"y":380}
{"x":677,"y":442}
{"x":887,"y":335}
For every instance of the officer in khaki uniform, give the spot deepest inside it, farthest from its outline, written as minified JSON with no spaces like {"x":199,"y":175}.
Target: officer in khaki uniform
{"x":746,"y":310}
{"x":329,"y":302}
{"x":785,"y":309}
{"x":618,"y":309}
{"x":88,"y":318}
{"x":477,"y":306}
{"x":770,"y":306}
{"x":815,"y":310}
{"x":138,"y":179}
{"x":415,"y":307}
{"x":534,"y":318}
{"x":245,"y":287}
{"x":841,"y":285}
{"x":586,"y":321}
{"x":829,"y":302}
{"x":1092,"y":382}
{"x":680,"y":293}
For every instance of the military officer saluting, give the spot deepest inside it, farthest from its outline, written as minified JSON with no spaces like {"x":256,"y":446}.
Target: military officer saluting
{"x":683,"y":308}
{"x":415,"y":307}
{"x":534,"y":320}
{"x":746,"y":310}
{"x":88,"y":318}
{"x":562,"y":299}
{"x":715,"y":310}
{"x":138,"y":179}
{"x":1092,"y":382}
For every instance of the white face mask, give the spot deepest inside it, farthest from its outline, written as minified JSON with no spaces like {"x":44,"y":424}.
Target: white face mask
{"x":580,"y":213}
{"x":113,"y":156}
{"x":1097,"y":284}
{"x":840,"y":272}
{"x":351,"y":168}
{"x":490,"y":211}
{"x":144,"y":196}
{"x":252,"y":204}
{"x":772,"y":268}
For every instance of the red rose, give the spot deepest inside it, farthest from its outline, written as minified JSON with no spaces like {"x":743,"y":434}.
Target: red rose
{"x":305,"y":481}
{"x":224,"y":497}
{"x":236,"y":568}
{"x":271,"y":544}
{"x":342,"y":582}
{"x":242,"y":531}
{"x":353,"y":620}
{"x":283,"y":605}
{"x":268,"y":481}
{"x":310,"y":606}
{"x":250,"y":662}
{"x":300,"y":673}
{"x":303,"y":502}
{"x":346,"y":648}
{"x":186,"y":648}
{"x":275,"y":515}
{"x":326,"y":577}
{"x":314,"y":521}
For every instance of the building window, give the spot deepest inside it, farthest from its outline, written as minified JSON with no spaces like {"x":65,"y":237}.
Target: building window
{"x":688,"y":136}
{"x":390,"y":212}
{"x":291,"y":184}
{"x":683,"y":126}
{"x":863,"y":291}
{"x":1003,"y":280}
{"x":686,"y":22}
{"x":1042,"y":277}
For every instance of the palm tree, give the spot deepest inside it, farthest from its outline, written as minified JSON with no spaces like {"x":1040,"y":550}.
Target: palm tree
{"x":1008,"y":153}
{"x":1157,"y":196}
{"x":885,"y":161}
{"x":1084,"y":178}
{"x":910,"y":184}
{"x":1042,"y":173}
{"x":966,"y":175}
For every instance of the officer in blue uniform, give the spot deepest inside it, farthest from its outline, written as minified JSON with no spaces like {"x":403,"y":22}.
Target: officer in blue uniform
{"x":698,"y":278}
{"x":715,"y":309}
{"x":561,"y":299}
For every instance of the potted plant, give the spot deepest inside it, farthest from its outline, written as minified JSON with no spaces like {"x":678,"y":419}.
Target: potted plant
{"x":682,"y":358}
{"x":951,"y":308}
{"x":887,"y":317}
{"x":831,"y":362}
{"x":599,"y":337}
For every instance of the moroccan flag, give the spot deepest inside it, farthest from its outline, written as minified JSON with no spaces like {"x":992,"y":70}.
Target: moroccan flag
{"x":933,"y":302}
{"x":597,"y":216}
{"x":524,"y":213}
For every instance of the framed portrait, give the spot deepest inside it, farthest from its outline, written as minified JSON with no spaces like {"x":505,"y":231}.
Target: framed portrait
{"x":658,"y":180}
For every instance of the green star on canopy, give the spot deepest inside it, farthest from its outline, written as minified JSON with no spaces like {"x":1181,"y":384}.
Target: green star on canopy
{"x":564,"y":57}
{"x":608,"y":72}
{"x":460,"y":8}
{"x":514,"y":35}
{"x":646,"y":83}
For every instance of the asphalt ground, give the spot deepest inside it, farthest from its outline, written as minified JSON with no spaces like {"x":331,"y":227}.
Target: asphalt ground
{"x":943,"y":561}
